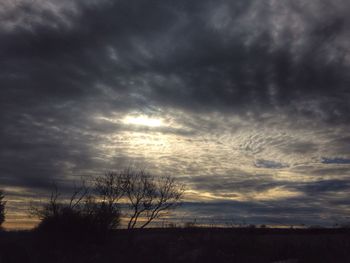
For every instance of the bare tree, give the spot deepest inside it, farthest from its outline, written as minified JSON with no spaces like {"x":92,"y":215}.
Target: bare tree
{"x":149,"y":197}
{"x":2,"y":207}
{"x":109,"y":188}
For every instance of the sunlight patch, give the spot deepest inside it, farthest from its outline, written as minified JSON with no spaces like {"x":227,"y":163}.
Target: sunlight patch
{"x":143,"y":120}
{"x":276,"y":193}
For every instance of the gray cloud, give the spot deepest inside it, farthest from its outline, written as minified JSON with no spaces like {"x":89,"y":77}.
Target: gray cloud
{"x":335,"y":160}
{"x":173,"y":55}
{"x":300,"y":148}
{"x":291,"y":212}
{"x":269,"y":164}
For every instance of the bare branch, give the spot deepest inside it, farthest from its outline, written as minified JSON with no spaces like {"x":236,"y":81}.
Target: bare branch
{"x":78,"y":195}
{"x":150,"y":197}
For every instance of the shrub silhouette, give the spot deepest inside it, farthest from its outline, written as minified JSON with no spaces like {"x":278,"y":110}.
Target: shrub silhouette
{"x":102,"y":217}
{"x":81,"y":216}
{"x":2,"y":208}
{"x":66,"y":219}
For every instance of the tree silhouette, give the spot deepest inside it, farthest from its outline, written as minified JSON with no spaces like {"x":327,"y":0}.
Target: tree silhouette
{"x":2,"y":207}
{"x":149,"y":197}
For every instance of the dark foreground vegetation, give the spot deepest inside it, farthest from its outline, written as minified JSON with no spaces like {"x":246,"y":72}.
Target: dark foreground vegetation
{"x":180,"y":245}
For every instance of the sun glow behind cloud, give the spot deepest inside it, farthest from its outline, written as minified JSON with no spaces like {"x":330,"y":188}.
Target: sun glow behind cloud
{"x":143,"y":120}
{"x":133,"y":119}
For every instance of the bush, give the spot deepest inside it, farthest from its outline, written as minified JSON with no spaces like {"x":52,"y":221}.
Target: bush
{"x":66,"y":220}
{"x":102,"y":216}
{"x":83,"y":216}
{"x":190,"y":224}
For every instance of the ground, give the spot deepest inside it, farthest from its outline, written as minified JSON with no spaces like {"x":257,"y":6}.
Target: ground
{"x":180,"y":245}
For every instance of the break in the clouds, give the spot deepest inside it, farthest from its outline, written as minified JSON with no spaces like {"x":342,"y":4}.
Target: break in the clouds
{"x":245,"y":101}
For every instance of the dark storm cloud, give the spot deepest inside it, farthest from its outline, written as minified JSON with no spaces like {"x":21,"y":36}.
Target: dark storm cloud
{"x":35,"y":154}
{"x":174,"y":55}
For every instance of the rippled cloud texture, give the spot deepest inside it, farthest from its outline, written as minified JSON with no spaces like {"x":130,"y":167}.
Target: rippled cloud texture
{"x":246,"y":101}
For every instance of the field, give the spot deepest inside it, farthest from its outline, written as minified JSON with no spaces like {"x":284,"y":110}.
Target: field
{"x":180,"y":245}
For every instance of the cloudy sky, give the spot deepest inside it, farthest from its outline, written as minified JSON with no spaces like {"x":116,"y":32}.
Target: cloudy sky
{"x":247,"y":102}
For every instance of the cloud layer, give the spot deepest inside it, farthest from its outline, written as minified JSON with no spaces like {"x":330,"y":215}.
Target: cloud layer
{"x":251,"y":98}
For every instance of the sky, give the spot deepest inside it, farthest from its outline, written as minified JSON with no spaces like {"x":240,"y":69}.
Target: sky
{"x":246,"y":102}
